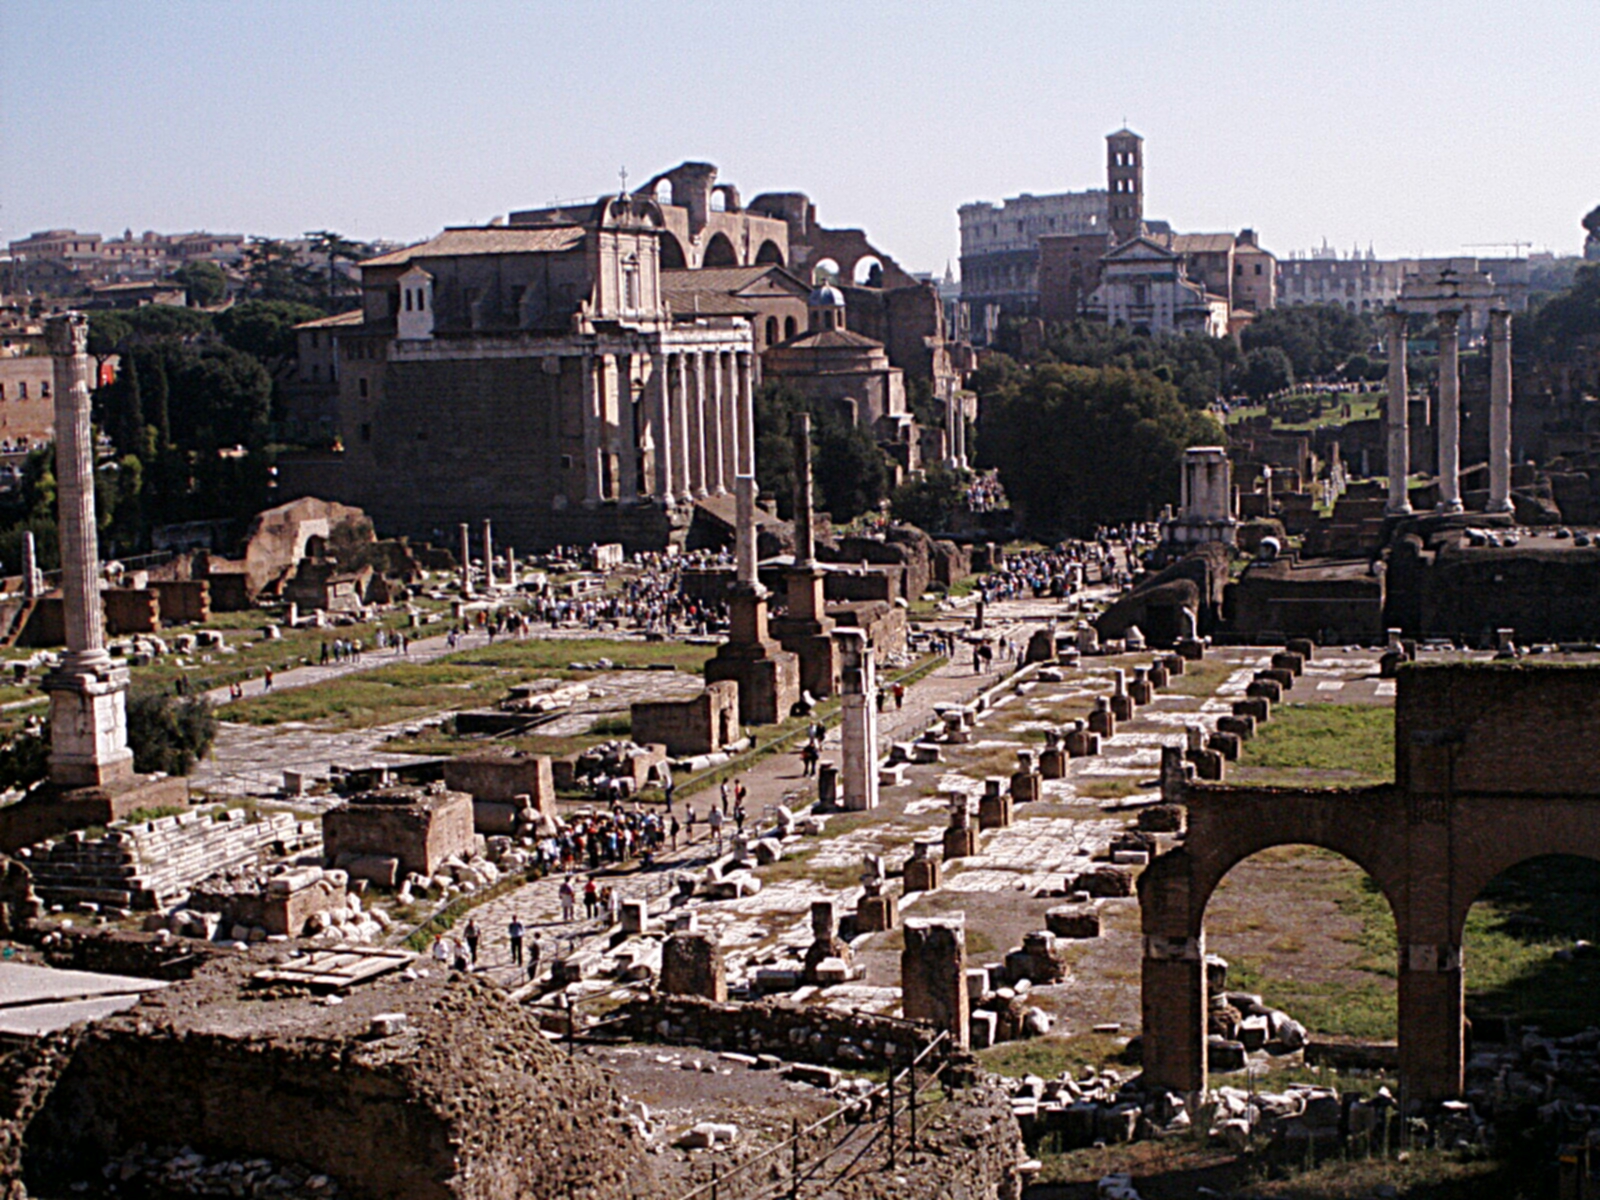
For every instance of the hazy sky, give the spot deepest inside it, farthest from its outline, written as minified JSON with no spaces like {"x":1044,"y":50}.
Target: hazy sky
{"x":1418,"y":127}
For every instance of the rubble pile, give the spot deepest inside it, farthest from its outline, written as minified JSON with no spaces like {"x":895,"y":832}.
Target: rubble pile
{"x":165,"y":1171}
{"x":244,"y":906}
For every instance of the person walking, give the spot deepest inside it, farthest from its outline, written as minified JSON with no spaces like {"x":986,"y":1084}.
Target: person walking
{"x":472,"y":940}
{"x":533,"y":960}
{"x":569,"y":901}
{"x":591,"y":898}
{"x":725,"y":797}
{"x":715,"y":820}
{"x":514,"y":932}
{"x":266,"y":675}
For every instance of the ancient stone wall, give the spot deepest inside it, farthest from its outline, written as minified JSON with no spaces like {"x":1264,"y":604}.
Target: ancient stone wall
{"x":421,"y":828}
{"x":183,"y":601}
{"x":702,"y":724}
{"x":467,"y":1099}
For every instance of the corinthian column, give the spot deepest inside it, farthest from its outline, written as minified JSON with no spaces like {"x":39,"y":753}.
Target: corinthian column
{"x":731,"y":399}
{"x":1398,"y":418}
{"x":1449,"y":413}
{"x":88,"y":719}
{"x":661,"y":435}
{"x":1499,"y":411}
{"x":714,"y":425}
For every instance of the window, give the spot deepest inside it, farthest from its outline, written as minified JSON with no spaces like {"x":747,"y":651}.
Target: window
{"x":44,"y":389}
{"x":566,"y":462}
{"x":366,"y":430}
{"x":22,"y":391}
{"x":1258,"y":268}
{"x":422,"y":299}
{"x":2,"y":391}
{"x":361,"y":387}
{"x":407,"y":293}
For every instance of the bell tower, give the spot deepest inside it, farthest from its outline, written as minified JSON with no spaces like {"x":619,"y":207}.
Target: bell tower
{"x":1125,"y":184}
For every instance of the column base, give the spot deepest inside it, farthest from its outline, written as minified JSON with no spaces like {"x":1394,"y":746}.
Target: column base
{"x":1448,"y":507}
{"x":1398,"y":510}
{"x":1502,"y":506}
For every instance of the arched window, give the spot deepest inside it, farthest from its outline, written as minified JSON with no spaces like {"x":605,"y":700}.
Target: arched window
{"x":772,"y":330}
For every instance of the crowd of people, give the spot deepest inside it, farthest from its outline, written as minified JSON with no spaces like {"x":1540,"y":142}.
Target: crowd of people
{"x":984,"y":493}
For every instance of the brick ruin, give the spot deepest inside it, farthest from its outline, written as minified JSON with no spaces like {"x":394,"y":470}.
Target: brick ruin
{"x":397,"y":831}
{"x":1485,"y":778}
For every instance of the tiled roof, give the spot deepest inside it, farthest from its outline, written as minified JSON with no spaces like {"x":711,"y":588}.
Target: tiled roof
{"x":354,"y":317}
{"x":494,"y":239}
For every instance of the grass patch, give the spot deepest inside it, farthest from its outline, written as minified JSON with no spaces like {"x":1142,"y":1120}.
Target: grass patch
{"x":1345,"y":744}
{"x":1047,"y":1057}
{"x":798,"y":866}
{"x":1107,"y":789}
{"x":1200,"y":678}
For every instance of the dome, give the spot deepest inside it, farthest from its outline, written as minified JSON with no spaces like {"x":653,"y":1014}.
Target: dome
{"x":826,"y":296}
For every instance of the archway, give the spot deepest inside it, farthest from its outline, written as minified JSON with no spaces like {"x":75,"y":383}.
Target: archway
{"x":826,"y":271}
{"x":720,"y":253}
{"x":672,"y":258}
{"x":1524,"y":962}
{"x":769,"y":253}
{"x":867,"y":272}
{"x":790,"y":328}
{"x":772,"y":331}
{"x":1310,"y":933}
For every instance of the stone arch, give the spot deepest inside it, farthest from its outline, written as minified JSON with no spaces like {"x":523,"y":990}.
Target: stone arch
{"x":772,"y":331}
{"x":1514,"y":846}
{"x":719,"y":252}
{"x":867,"y":271}
{"x":825,"y":271}
{"x":770,"y":253}
{"x":672,"y":256}
{"x":790,"y":328}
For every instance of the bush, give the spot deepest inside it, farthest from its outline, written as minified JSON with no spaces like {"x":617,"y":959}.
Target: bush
{"x":25,"y":758}
{"x":169,"y":733}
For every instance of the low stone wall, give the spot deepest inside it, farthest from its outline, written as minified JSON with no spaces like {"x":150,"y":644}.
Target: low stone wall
{"x":815,"y":1035}
{"x":183,"y":601}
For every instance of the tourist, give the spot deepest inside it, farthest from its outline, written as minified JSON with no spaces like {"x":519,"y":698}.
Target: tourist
{"x":672,"y":829}
{"x":533,"y":960}
{"x":569,"y":901}
{"x":441,"y":949}
{"x":514,"y":932}
{"x":724,"y":798}
{"x":899,"y":690}
{"x":472,"y":940}
{"x":716,"y":826}
{"x":267,"y":677}
{"x":591,"y":898}
{"x":809,"y":754}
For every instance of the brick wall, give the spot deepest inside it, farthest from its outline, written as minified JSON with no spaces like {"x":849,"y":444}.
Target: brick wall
{"x":421,"y":829}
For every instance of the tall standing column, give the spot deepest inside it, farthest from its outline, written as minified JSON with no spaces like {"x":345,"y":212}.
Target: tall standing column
{"x":805,"y":540}
{"x":466,"y":559}
{"x":627,"y":433}
{"x":592,"y":448}
{"x":747,"y":416}
{"x":1398,"y":418}
{"x":731,"y":399}
{"x":488,"y":556}
{"x":715,"y":402}
{"x":32,"y":577}
{"x":858,"y":721}
{"x":88,"y":717}
{"x":680,"y":426}
{"x":1499,"y":411}
{"x":697,"y":427}
{"x":661,"y":431}
{"x":1449,"y":412}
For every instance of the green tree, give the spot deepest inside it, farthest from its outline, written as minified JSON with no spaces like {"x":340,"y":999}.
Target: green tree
{"x":204,"y":283}
{"x":1267,"y":372}
{"x":25,"y":758}
{"x":265,"y":328}
{"x":169,"y":733}
{"x":1077,"y":447}
{"x":1563,"y":335}
{"x":850,"y":471}
{"x":1318,"y":338}
{"x":931,"y":502}
{"x":336,"y":246}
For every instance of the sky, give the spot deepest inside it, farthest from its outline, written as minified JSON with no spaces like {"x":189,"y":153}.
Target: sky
{"x":1416,"y":128}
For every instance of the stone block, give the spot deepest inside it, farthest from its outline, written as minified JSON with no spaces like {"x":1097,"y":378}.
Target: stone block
{"x":635,"y":916}
{"x":1208,"y":764}
{"x":1304,"y":647}
{"x":1102,"y":720}
{"x":926,"y":752}
{"x":1192,"y":649}
{"x":1242,"y":728}
{"x":1161,"y":818}
{"x":691,"y":965}
{"x":923,"y":875}
{"x":1225,"y":743}
{"x":981,"y":1026}
{"x":1257,"y":708}
{"x":1174,"y":663}
{"x":1121,"y":707}
{"x":1026,"y":786}
{"x":1141,"y":691}
{"x":876,"y":914}
{"x":1225,"y":1055}
{"x":1073,"y":921}
{"x":1102,"y":882}
{"x":960,"y":843}
{"x":892,"y":775}
{"x":1159,"y":675}
{"x":1084,"y":743}
{"x":1053,"y":763}
{"x":1130,"y":858}
{"x":1265,"y":689}
{"x":1286,"y":661}
{"x":933,"y":974}
{"x":994,"y":811}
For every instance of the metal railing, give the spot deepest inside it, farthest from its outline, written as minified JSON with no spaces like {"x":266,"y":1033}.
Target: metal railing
{"x":857,"y":1114}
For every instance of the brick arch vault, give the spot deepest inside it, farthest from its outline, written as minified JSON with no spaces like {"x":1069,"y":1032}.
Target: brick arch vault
{"x":1490,"y":771}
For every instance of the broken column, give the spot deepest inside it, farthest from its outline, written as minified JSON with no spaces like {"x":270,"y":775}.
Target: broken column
{"x":691,"y":965}
{"x":1141,"y":689}
{"x":1102,"y":721}
{"x":858,"y":720}
{"x":960,"y":839}
{"x":466,"y":560}
{"x":876,"y":911}
{"x":32,"y":577}
{"x":1397,"y":417}
{"x":922,"y":872}
{"x":994,"y":806}
{"x":488,"y":556}
{"x":805,"y":629}
{"x":1026,"y":785}
{"x":1208,"y":763}
{"x":1081,"y":740}
{"x":88,"y":715}
{"x":1053,"y":759}
{"x":1121,"y":701}
{"x":1499,"y":411}
{"x":829,"y":958}
{"x":768,"y":675}
{"x":933,"y":974}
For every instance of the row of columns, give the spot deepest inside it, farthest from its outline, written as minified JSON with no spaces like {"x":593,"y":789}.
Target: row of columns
{"x":1449,"y":419}
{"x":698,"y":426}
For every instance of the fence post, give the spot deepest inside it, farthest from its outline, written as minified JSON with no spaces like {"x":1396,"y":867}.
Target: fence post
{"x":570,"y":1006}
{"x":794,"y":1169}
{"x":913,"y":1101}
{"x":713,"y":1181}
{"x":891,"y":1113}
